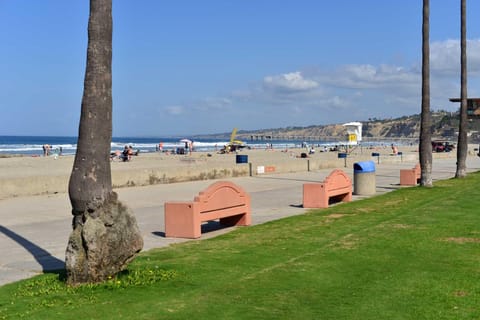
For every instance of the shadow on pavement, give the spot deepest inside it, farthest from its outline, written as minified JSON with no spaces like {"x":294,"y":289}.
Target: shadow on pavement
{"x":48,"y":262}
{"x":209,"y":226}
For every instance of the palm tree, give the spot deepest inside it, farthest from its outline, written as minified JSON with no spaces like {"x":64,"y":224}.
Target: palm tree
{"x":425,"y":125}
{"x":105,"y":235}
{"x":462,"y":130}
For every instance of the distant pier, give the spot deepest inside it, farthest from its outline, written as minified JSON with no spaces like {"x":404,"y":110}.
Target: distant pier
{"x":280,"y":137}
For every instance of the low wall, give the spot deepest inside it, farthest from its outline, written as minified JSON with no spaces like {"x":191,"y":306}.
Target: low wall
{"x":24,"y":176}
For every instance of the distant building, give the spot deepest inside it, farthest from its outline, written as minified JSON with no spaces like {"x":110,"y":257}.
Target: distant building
{"x":473,"y":107}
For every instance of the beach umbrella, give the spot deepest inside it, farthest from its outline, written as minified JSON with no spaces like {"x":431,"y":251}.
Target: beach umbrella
{"x":186,"y":141}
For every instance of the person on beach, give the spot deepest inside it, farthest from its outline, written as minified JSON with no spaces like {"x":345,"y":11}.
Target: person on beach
{"x":127,"y":153}
{"x":116,"y":155}
{"x":46,"y":150}
{"x":394,"y":149}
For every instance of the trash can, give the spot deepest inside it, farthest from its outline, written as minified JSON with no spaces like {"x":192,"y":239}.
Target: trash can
{"x":242,"y":158}
{"x":364,"y":178}
{"x":343,"y":156}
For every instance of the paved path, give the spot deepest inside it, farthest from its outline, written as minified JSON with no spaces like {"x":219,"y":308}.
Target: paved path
{"x":34,"y":230}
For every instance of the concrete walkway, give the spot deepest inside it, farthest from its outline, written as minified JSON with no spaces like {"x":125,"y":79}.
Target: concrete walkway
{"x":34,"y":230}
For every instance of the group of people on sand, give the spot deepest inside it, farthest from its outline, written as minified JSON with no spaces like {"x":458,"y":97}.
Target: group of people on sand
{"x":186,"y":149}
{"x":47,"y":151}
{"x":125,"y":155}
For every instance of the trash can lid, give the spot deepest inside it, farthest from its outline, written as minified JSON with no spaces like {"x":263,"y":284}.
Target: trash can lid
{"x":363,"y":167}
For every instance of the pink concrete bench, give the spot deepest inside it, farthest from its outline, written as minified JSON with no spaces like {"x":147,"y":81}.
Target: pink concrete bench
{"x":222,"y":200}
{"x":337,"y":186}
{"x":410,"y":177}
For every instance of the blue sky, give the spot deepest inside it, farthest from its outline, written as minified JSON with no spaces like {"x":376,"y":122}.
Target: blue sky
{"x":190,"y":67}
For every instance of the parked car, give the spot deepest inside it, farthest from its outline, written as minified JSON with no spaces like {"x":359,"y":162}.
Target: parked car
{"x":442,"y":146}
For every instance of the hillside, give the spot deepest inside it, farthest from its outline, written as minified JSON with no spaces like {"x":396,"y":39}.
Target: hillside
{"x":444,"y":126}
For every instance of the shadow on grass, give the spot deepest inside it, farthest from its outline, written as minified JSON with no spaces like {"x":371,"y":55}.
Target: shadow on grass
{"x":210,"y":226}
{"x":49,"y":263}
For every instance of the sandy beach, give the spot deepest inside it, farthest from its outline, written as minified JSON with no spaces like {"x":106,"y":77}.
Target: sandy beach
{"x":25,"y":176}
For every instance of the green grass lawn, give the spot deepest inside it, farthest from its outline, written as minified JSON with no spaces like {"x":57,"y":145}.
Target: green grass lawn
{"x":409,"y":254}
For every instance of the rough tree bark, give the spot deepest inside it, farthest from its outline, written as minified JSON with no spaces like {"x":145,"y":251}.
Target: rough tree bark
{"x":462,"y":145}
{"x":105,"y":236}
{"x":425,"y":124}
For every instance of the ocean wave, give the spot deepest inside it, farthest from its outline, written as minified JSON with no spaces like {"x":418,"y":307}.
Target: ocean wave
{"x":68,"y":145}
{"x":33,"y":147}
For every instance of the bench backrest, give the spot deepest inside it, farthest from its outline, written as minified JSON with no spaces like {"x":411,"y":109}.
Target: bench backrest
{"x":337,"y":180}
{"x":221,"y":195}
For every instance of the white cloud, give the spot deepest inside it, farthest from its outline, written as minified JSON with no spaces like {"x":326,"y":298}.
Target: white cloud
{"x":367,"y":76}
{"x":338,"y":102}
{"x":174,"y":110}
{"x":214,"y":103}
{"x":344,"y":88}
{"x":289,"y":82}
{"x":343,"y":93}
{"x":445,"y":57}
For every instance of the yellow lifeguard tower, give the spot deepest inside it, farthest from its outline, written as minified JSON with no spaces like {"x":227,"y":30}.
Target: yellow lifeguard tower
{"x":354,"y":131}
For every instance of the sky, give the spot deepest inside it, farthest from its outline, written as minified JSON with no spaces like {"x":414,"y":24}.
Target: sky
{"x":186,"y":67}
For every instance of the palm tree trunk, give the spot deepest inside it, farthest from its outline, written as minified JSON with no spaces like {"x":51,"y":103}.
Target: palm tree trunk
{"x":462,"y":147}
{"x":105,"y":235}
{"x":90,"y":181}
{"x":425,"y":125}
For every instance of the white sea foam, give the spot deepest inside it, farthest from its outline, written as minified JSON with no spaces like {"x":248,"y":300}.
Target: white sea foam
{"x":34,"y":145}
{"x":10,"y":148}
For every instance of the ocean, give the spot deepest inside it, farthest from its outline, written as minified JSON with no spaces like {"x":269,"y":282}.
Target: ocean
{"x":33,"y":145}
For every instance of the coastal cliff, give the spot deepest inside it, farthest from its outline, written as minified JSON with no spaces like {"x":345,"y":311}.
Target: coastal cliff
{"x":444,"y":126}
